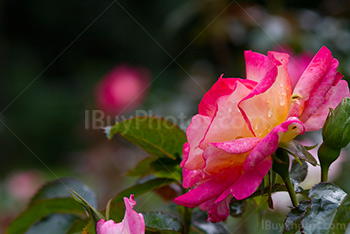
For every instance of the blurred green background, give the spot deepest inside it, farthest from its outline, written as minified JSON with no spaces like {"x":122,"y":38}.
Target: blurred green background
{"x":54,"y":53}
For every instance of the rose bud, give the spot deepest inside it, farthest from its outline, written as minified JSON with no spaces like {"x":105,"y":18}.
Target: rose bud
{"x":336,"y":135}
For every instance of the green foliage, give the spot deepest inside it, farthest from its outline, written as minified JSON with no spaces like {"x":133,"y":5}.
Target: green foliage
{"x":41,"y":209}
{"x":237,"y":208}
{"x":156,"y":136}
{"x":158,"y":222}
{"x":167,"y":168}
{"x":117,"y":208}
{"x":162,"y":168}
{"x":78,"y":226}
{"x":90,"y":228}
{"x":93,"y":213}
{"x":328,"y":211}
{"x":292,"y":222}
{"x":142,"y":187}
{"x":143,"y":168}
{"x":53,"y":207}
{"x":298,"y":172}
{"x":326,"y":198}
{"x":281,"y":163}
{"x":56,"y":223}
{"x":298,"y":151}
{"x":201,"y":225}
{"x":61,"y":187}
{"x":336,"y":130}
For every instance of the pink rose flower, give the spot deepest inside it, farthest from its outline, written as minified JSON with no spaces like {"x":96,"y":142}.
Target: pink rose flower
{"x":241,"y":121}
{"x":133,"y":222}
{"x":24,"y":184}
{"x":122,"y":89}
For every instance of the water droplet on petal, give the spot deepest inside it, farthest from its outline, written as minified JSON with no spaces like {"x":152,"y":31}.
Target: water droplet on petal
{"x":282,"y":101}
{"x":269,"y":113}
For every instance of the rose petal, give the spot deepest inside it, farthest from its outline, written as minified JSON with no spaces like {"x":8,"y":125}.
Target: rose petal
{"x":219,"y":211}
{"x":222,"y":87}
{"x":133,"y":222}
{"x":192,"y":177}
{"x":267,"y":104}
{"x":250,"y":180}
{"x":331,"y":100}
{"x":256,"y":65}
{"x":109,"y":227}
{"x":268,"y":145}
{"x":227,"y":123}
{"x":192,"y":152}
{"x":220,"y":156}
{"x":238,"y":146}
{"x":210,"y":189}
{"x":320,"y":90}
{"x":313,"y":74}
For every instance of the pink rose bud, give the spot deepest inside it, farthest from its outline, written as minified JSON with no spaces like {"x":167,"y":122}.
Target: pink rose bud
{"x":133,"y":222}
{"x":122,"y":89}
{"x":240,"y":123}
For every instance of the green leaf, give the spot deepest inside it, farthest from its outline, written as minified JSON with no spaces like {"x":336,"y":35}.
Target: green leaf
{"x":156,"y":136}
{"x":342,"y":218}
{"x":40,"y":209}
{"x":162,"y":168}
{"x":93,"y":213}
{"x":320,"y":217}
{"x":162,"y":223}
{"x":199,"y":222}
{"x":60,"y":221}
{"x":237,"y":207}
{"x":143,"y":168}
{"x":61,"y":187}
{"x":54,"y":223}
{"x":167,"y":168}
{"x":90,"y":228}
{"x":298,"y":173}
{"x":264,"y":191}
{"x":292,"y":222}
{"x":310,"y":147}
{"x":117,"y":207}
{"x":78,"y":226}
{"x":298,"y":151}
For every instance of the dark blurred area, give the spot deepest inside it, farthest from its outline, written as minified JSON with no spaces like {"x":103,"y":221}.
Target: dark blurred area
{"x":54,"y":53}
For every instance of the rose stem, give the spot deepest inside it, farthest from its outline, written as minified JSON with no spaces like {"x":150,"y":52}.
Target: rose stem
{"x":291,"y":191}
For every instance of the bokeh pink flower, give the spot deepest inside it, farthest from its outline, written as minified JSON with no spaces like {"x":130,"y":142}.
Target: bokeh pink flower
{"x":133,"y":222}
{"x":241,"y":122}
{"x":122,"y":89}
{"x":23,"y":185}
